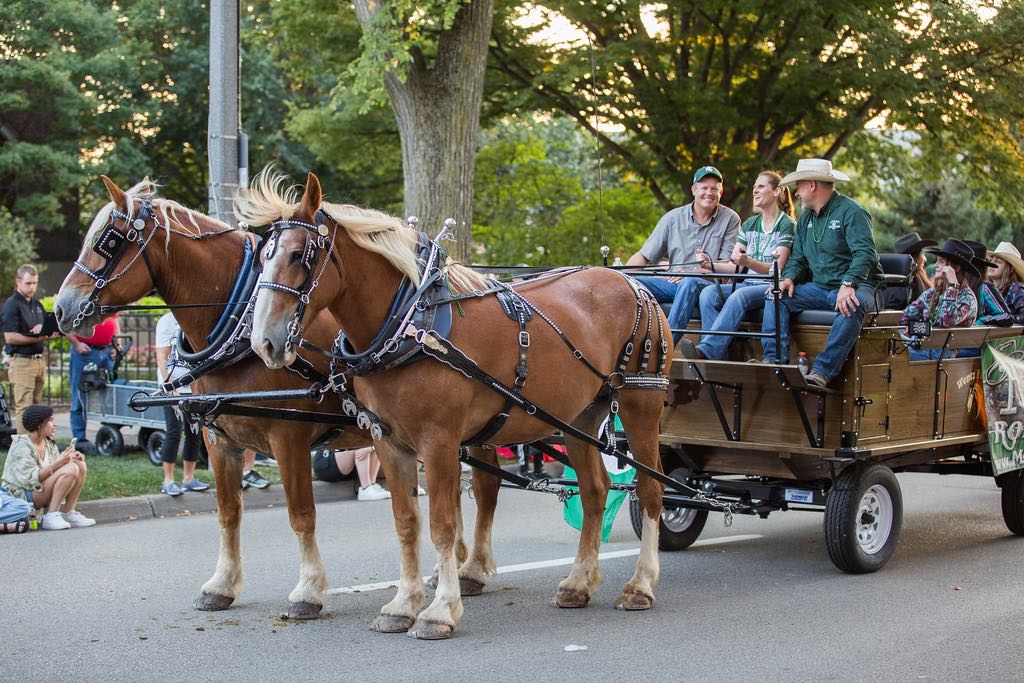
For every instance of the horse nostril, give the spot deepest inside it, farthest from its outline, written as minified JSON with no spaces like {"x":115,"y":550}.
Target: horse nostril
{"x":58,"y":313}
{"x":268,"y":349}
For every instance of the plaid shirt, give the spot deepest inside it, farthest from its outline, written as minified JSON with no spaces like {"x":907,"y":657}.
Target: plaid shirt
{"x":957,"y":307}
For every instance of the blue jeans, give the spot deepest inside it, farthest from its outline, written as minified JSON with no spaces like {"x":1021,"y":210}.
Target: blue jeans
{"x":13,"y":509}
{"x":931,"y":354}
{"x":749,"y":296}
{"x":682,"y":295}
{"x":101,"y":357}
{"x":810,"y":297}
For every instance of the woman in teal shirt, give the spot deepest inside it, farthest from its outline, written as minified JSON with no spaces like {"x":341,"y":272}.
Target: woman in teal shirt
{"x":766,"y":235}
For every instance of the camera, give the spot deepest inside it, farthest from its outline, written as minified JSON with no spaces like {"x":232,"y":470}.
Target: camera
{"x":919,"y":329}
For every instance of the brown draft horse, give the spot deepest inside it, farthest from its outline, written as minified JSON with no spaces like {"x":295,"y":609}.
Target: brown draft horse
{"x":195,"y":259}
{"x":432,"y":409}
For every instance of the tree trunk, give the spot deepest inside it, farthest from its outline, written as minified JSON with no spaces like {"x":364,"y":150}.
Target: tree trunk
{"x":437,"y":108}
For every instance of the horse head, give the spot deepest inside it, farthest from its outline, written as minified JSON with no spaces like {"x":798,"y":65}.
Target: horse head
{"x":109,"y":270}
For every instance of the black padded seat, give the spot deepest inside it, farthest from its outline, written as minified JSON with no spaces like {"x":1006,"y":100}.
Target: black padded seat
{"x":898,"y":268}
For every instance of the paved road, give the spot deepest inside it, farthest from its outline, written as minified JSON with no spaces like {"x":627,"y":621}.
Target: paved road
{"x":758,"y":599}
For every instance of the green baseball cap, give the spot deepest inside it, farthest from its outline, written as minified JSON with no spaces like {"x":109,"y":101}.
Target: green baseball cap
{"x":705,"y":171}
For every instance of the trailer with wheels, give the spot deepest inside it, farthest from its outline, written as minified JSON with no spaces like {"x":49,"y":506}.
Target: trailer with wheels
{"x":107,"y":404}
{"x":757,"y":438}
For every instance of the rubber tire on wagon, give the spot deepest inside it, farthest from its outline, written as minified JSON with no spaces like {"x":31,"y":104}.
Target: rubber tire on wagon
{"x":1012,"y":487}
{"x":144,"y":433}
{"x":109,"y":440}
{"x":154,"y":443}
{"x":678,"y":528}
{"x":863,"y":518}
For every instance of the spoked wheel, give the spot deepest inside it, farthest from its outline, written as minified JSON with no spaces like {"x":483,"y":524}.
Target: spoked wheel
{"x":678,"y":527}
{"x":1012,"y":484}
{"x":863,"y":518}
{"x":109,"y":440}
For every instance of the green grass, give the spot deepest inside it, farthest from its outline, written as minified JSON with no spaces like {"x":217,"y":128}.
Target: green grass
{"x":132,"y":474}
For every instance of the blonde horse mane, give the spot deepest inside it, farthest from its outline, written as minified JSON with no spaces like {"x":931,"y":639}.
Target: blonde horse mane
{"x":271,"y":198}
{"x":167,"y":209}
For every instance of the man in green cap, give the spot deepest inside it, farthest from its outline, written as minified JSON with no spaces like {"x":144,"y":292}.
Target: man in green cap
{"x":694,"y":237}
{"x":834,"y":266}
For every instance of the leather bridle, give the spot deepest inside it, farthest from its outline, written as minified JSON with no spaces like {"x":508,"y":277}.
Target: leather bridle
{"x":111,"y":245}
{"x":316,"y":242}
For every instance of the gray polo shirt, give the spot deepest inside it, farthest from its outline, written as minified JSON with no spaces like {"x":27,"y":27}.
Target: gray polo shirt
{"x":680,"y":236}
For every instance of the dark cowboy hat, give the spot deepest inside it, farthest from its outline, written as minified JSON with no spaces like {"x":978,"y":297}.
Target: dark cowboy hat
{"x":957,"y":252}
{"x":980,"y":259}
{"x":911,"y":243}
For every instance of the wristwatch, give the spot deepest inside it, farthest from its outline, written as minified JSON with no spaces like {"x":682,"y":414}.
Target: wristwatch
{"x":846,"y":283}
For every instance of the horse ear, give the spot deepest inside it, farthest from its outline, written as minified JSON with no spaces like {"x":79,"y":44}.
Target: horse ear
{"x":312,"y":197}
{"x":116,"y":193}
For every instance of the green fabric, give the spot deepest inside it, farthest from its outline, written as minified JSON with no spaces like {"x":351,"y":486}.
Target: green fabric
{"x":760,"y":244}
{"x":844,"y":250}
{"x":573,"y":513}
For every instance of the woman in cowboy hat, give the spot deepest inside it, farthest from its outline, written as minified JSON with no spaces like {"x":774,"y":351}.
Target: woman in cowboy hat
{"x":950,"y":302}
{"x":1007,"y":276}
{"x":913,"y":246}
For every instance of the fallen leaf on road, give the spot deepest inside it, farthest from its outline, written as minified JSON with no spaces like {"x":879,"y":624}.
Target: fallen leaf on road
{"x":574,"y":648}
{"x":956,"y":588}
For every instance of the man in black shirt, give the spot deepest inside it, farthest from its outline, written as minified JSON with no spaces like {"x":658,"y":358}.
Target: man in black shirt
{"x":23,"y":317}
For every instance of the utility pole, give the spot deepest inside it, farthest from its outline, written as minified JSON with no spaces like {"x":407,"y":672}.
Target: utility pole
{"x":228,"y":145}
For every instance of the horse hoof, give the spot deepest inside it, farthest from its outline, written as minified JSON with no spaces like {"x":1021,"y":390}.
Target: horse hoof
{"x":425,"y":629}
{"x":303,"y":611}
{"x":569,"y":598}
{"x":633,"y":601}
{"x":469,"y":587}
{"x":431,"y":582}
{"x":391,"y":623}
{"x":211,"y":602}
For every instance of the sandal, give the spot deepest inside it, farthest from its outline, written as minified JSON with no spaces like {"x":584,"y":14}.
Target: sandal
{"x":19,"y":527}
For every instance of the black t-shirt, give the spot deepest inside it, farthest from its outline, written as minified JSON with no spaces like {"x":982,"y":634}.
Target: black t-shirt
{"x":21,"y":316}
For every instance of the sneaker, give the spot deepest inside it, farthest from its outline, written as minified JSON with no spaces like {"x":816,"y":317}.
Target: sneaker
{"x":816,"y":380}
{"x":77,"y":519}
{"x":757,"y":361}
{"x":253,"y":478}
{"x":55,"y":520}
{"x":194,"y":485}
{"x":373,"y":492}
{"x":265,"y":460}
{"x":172,"y":489}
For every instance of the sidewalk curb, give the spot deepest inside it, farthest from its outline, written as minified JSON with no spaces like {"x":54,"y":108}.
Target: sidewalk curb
{"x":158,"y":505}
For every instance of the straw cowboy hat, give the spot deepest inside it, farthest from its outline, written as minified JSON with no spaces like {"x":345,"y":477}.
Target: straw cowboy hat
{"x":1011,"y":255}
{"x":815,"y":169}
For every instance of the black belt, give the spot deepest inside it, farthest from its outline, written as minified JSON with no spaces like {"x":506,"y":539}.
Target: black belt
{"x":29,"y":356}
{"x":98,"y":348}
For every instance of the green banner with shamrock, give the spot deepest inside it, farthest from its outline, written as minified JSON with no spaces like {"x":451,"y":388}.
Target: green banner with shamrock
{"x":1002,"y":367}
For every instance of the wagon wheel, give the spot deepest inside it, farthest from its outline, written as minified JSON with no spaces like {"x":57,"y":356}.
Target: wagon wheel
{"x":144,"y":437}
{"x":678,"y":528}
{"x":1012,"y":484}
{"x":154,"y":444}
{"x":863,"y":518}
{"x":109,"y":440}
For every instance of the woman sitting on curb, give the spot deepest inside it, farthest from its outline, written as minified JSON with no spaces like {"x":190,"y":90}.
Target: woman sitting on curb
{"x":37,"y":472}
{"x":950,"y":302}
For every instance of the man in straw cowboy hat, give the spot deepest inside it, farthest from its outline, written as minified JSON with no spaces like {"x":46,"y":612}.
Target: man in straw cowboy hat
{"x":834,"y":265}
{"x":694,"y":237}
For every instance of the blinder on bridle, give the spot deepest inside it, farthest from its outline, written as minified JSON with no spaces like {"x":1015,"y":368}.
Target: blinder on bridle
{"x":316,"y":242}
{"x":111,"y":245}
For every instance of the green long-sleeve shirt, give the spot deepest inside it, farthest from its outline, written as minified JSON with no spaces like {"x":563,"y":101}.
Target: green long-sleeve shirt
{"x":834,"y":245}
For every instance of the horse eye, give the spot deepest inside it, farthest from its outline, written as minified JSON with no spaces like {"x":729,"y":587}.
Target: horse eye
{"x":295,"y":257}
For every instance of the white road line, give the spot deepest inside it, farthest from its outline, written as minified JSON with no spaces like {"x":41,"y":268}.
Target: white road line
{"x":509,"y":569}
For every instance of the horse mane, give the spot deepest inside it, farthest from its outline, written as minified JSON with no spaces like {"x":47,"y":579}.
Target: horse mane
{"x":271,"y":198}
{"x":389,"y":236}
{"x":168,"y":209}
